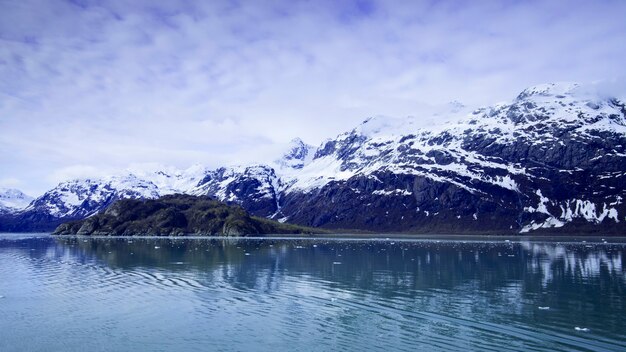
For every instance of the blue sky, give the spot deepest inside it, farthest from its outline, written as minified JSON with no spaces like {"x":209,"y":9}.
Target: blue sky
{"x":90,"y":87}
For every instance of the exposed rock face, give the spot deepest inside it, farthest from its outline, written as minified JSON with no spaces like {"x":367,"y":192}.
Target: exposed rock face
{"x":553,"y":159}
{"x":254,"y":188}
{"x":175,"y":215}
{"x":548,"y":159}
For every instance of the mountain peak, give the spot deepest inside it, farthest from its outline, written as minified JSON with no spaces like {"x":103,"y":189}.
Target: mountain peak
{"x":556,"y":89}
{"x":13,"y":199}
{"x":297,"y":154}
{"x":455,"y":106}
{"x":297,"y":141}
{"x":383,"y":125}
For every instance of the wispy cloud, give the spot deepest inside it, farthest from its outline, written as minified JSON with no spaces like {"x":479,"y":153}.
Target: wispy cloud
{"x":103,"y":84}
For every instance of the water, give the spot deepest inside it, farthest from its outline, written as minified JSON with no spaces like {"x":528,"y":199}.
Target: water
{"x":77,"y":294}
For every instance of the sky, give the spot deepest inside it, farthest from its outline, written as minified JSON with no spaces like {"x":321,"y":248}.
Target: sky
{"x":89,"y":88}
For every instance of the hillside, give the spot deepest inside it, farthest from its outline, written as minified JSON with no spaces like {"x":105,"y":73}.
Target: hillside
{"x":176,"y":215}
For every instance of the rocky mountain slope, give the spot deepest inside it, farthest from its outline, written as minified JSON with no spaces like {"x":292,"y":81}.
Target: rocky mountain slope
{"x":176,"y":215}
{"x":554,"y":156}
{"x":553,"y":159}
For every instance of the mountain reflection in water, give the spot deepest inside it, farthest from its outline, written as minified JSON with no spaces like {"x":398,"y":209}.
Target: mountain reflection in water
{"x":307,"y":294}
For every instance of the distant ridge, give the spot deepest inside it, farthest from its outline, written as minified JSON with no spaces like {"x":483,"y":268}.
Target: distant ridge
{"x":553,"y":159}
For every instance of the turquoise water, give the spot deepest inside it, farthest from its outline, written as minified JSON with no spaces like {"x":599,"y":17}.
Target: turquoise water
{"x":147,"y":294}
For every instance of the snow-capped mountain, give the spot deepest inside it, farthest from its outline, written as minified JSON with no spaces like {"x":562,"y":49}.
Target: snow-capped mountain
{"x":82,"y":198}
{"x":254,"y":187}
{"x":554,"y":158}
{"x":169,"y":180}
{"x":13,"y":200}
{"x":298,"y":155}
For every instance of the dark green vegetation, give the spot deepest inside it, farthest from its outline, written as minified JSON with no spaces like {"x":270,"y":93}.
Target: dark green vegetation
{"x":177,"y":215}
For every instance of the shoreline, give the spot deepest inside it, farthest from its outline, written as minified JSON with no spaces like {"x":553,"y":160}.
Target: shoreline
{"x":561,"y":238}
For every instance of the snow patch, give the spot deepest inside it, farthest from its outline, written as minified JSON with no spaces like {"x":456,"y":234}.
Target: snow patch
{"x":401,"y":192}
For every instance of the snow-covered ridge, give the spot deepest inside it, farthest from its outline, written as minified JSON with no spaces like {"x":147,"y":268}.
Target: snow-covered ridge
{"x":297,"y":155}
{"x":170,"y":180}
{"x":500,"y":150}
{"x":78,"y":198}
{"x":13,"y":199}
{"x":560,"y":89}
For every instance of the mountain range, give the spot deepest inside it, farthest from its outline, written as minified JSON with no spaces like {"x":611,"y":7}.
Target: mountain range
{"x":553,"y":159}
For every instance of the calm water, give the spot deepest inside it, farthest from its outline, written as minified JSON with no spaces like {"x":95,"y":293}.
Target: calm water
{"x":77,"y":294}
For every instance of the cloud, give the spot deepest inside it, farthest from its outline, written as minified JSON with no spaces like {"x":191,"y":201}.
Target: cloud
{"x":111,"y":83}
{"x":76,"y":171}
{"x":10,"y":182}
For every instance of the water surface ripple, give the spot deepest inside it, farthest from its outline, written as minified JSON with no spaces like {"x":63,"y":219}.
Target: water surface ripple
{"x":156,"y":294}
